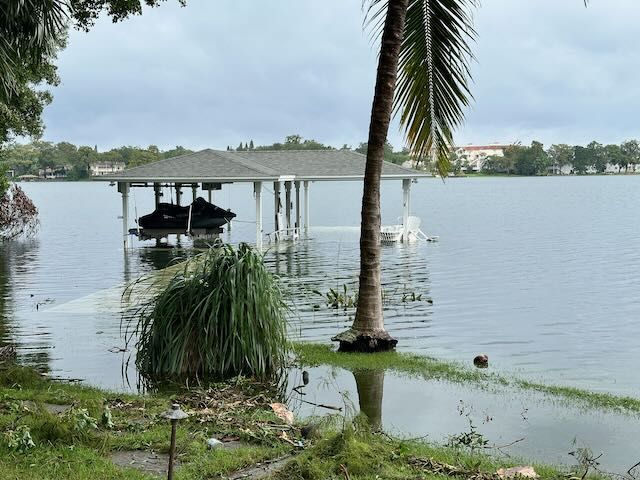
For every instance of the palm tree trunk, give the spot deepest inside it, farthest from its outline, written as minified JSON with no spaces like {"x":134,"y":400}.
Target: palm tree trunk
{"x":368,"y":333}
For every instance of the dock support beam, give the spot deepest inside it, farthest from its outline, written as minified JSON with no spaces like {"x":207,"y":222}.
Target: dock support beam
{"x":178,"y":193}
{"x":276,"y":208}
{"x":306,"y":206}
{"x":157,"y":193}
{"x":287,"y":194}
{"x":406,"y":207}
{"x":297,"y":185}
{"x":257,"y":190}
{"x":123,"y":188}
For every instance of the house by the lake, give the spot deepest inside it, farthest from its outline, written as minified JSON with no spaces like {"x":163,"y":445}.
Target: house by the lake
{"x":475,"y":155}
{"x":99,"y":169}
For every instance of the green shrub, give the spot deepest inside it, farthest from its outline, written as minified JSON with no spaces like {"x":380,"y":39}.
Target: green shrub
{"x":221,"y":315}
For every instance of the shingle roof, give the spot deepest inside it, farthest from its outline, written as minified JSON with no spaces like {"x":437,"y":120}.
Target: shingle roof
{"x":258,"y":165}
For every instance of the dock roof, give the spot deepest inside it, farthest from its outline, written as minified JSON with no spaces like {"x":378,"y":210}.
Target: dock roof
{"x":259,"y":165}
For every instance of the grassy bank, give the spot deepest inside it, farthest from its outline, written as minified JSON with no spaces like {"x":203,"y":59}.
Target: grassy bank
{"x":78,"y":442}
{"x":77,"y":438}
{"x":428,"y":368}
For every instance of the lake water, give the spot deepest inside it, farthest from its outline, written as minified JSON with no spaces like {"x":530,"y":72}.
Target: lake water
{"x":541,"y":274}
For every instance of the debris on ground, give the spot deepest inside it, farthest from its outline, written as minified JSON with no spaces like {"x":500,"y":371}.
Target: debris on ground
{"x":231,"y":407}
{"x":523,"y":471}
{"x":281,"y":410}
{"x":213,"y":443}
{"x":441,"y":468}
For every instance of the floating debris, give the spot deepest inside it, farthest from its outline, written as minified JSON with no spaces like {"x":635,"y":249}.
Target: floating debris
{"x":481,"y":361}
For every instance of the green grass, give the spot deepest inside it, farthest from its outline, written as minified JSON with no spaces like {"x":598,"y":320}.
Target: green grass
{"x":370,"y":456}
{"x":239,"y":407}
{"x":432,"y":369}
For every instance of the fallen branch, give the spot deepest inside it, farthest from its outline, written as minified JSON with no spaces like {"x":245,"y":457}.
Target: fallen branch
{"x":500,"y":448}
{"x":442,"y":468}
{"x":321,"y":405}
{"x":297,"y":389}
{"x":629,"y":471}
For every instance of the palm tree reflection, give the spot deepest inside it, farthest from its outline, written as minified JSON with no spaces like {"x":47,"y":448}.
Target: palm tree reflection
{"x":370,"y":385}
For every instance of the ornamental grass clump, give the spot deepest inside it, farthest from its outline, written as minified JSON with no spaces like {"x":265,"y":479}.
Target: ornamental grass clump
{"x":221,"y":315}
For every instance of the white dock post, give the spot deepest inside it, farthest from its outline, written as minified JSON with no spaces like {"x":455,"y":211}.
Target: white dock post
{"x":257,"y":189}
{"x":406,"y":207}
{"x":287,"y":195}
{"x":123,"y":188}
{"x":297,"y":185}
{"x":276,"y":209}
{"x":306,"y":206}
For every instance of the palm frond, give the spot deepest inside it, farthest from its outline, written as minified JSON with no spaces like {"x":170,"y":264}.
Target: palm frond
{"x":433,"y":73}
{"x":30,"y":31}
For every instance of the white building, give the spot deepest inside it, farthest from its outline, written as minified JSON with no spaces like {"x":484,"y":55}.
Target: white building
{"x":476,"y":155}
{"x":105,"y":168}
{"x":54,"y":173}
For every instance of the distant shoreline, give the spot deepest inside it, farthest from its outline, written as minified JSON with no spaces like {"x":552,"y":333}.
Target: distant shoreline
{"x":471,"y":175}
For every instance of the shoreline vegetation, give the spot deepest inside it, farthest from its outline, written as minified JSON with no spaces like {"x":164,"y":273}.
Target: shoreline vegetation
{"x":54,"y":429}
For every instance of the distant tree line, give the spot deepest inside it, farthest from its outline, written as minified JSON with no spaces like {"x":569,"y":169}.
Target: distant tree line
{"x":297,"y":142}
{"x":74,"y":161}
{"x":558,"y":159}
{"x":291,"y":142}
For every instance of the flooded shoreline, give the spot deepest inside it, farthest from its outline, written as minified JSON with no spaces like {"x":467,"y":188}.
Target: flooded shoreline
{"x":551,"y":303}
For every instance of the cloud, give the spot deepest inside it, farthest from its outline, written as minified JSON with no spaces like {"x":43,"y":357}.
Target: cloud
{"x":217,"y":73}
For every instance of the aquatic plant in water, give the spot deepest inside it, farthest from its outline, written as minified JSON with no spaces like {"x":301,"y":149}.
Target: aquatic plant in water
{"x":223,"y":314}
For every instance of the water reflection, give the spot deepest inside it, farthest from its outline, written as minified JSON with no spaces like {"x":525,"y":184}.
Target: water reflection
{"x":370,"y":386}
{"x":5,"y":294}
{"x":16,"y":261}
{"x":440,"y":410}
{"x":157,"y":258}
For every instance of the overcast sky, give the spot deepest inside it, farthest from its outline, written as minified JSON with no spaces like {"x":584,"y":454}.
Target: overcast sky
{"x":219,"y":72}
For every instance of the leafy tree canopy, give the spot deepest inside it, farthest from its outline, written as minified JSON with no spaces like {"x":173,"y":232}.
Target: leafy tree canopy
{"x":592,"y":158}
{"x":4,"y":180}
{"x":291,"y":142}
{"x":21,"y":112}
{"x":31,"y":34}
{"x":28,"y":159}
{"x":390,"y":155}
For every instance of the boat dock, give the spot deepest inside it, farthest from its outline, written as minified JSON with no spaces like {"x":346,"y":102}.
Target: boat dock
{"x":290,"y":171}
